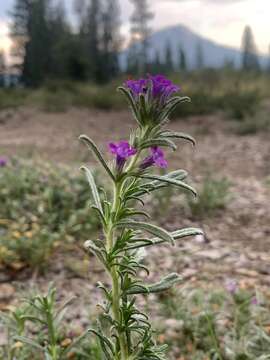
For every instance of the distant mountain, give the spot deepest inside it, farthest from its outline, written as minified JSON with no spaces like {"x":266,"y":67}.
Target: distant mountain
{"x":214,"y":55}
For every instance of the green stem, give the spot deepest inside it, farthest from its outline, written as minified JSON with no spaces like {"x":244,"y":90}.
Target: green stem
{"x":116,"y":297}
{"x":52,"y":335}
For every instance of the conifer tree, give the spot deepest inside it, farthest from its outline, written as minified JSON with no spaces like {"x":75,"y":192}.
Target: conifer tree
{"x":110,"y":40}
{"x":169,"y":65}
{"x":31,"y":37}
{"x":2,"y":68}
{"x":199,"y":56}
{"x":249,"y":55}
{"x":140,"y":31}
{"x":182,"y":60}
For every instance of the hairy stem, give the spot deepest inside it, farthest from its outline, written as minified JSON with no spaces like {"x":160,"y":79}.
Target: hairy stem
{"x":116,"y":297}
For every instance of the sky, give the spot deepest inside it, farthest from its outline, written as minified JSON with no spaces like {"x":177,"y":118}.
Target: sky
{"x":220,"y":20}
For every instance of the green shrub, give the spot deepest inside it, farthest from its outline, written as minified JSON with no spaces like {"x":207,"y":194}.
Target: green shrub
{"x":240,"y":104}
{"x":41,"y":206}
{"x":12,"y":98}
{"x":253,"y":124}
{"x":212,"y":197}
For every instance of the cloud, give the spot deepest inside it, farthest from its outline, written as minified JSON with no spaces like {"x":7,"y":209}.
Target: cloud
{"x":214,"y":2}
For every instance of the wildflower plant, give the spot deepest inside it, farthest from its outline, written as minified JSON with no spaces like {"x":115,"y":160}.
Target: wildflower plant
{"x":125,"y":234}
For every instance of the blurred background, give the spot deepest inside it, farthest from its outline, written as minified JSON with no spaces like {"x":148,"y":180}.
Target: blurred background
{"x":60,"y":64}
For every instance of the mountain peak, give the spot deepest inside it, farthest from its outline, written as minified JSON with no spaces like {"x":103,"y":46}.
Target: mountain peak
{"x":176,"y":36}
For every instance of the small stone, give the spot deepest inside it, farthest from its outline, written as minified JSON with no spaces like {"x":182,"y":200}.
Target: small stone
{"x":174,"y":324}
{"x":214,"y":254}
{"x":6,"y":291}
{"x":247,"y":272}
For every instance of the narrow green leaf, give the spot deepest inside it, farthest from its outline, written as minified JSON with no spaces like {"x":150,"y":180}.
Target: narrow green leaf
{"x":178,"y":234}
{"x":92,"y":146}
{"x":150,"y":228}
{"x":164,"y":284}
{"x":131,"y":102}
{"x":93,"y":187}
{"x":90,"y":246}
{"x":178,"y":135}
{"x":171,"y":106}
{"x":170,"y":181}
{"x":29,"y":342}
{"x":158,"y":142}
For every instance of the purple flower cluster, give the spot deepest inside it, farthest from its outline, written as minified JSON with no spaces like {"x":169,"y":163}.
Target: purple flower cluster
{"x":161,"y":88}
{"x":137,"y":87}
{"x":156,"y":158}
{"x":3,"y":162}
{"x":123,"y":150}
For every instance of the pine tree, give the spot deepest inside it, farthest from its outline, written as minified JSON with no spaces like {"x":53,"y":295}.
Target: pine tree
{"x":140,"y":31}
{"x":2,"y":68}
{"x":182,"y":60}
{"x":169,"y":66}
{"x":249,"y":56}
{"x":110,"y":40}
{"x":92,"y":39}
{"x":268,"y":65}
{"x":31,"y":37}
{"x":157,"y":66}
{"x":60,"y":42}
{"x":199,"y":56}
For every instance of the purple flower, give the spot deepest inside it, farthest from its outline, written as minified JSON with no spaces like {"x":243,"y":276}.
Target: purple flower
{"x":3,"y":162}
{"x":254,"y":301}
{"x":231,"y":286}
{"x":137,"y":87}
{"x":157,"y":158}
{"x":123,"y":150}
{"x":162,"y":88}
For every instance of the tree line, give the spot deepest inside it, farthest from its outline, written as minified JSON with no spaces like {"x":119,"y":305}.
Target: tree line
{"x":49,"y":44}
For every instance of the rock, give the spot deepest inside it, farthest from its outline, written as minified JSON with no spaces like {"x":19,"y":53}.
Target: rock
{"x":247,"y":272}
{"x":6,"y":291}
{"x":214,"y":254}
{"x":174,"y":324}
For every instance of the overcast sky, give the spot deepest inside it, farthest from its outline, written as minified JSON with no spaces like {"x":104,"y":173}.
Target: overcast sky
{"x":220,"y":20}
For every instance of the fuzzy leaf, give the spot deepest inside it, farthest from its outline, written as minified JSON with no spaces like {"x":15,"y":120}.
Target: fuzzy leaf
{"x":152,"y":229}
{"x":170,"y":107}
{"x":178,"y":234}
{"x":131,"y":102}
{"x":171,"y":181}
{"x":91,"y":246}
{"x":105,"y":344}
{"x":164,"y":284}
{"x":178,"y":135}
{"x":92,"y":146}
{"x":93,"y":187}
{"x":158,"y":142}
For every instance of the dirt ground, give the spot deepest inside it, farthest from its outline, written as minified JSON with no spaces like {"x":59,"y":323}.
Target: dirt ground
{"x":237,"y":242}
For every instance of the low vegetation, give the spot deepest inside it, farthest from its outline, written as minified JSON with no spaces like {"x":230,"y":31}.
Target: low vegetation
{"x":221,"y":324}
{"x":212,"y":197}
{"x":237,"y":94}
{"x":228,"y":323}
{"x":41,"y":207}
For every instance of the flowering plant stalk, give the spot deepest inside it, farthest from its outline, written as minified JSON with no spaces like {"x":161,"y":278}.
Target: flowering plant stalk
{"x":125,"y":234}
